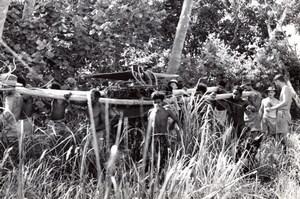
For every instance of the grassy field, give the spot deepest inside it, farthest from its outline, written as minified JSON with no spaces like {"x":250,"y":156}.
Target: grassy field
{"x":202,"y":164}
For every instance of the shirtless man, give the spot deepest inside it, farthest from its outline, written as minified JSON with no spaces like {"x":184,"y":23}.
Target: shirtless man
{"x":13,"y":103}
{"x":251,"y":115}
{"x":98,"y":110}
{"x":161,"y":113}
{"x":283,"y":117}
{"x":58,"y":106}
{"x":27,"y":108}
{"x":57,"y":115}
{"x":160,"y":116}
{"x":268,"y":118}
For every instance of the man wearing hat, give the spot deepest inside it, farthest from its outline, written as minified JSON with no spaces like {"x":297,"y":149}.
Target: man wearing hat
{"x":173,"y":84}
{"x":268,"y":118}
{"x":13,"y":103}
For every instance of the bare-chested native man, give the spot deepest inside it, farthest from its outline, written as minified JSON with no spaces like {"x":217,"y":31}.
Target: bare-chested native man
{"x":283,"y":116}
{"x":160,"y":116}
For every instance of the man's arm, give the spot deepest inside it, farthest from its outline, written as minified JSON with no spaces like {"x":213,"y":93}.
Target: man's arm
{"x":175,"y":118}
{"x":261,"y":109}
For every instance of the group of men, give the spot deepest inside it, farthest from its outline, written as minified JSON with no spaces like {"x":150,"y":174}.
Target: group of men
{"x":251,"y":114}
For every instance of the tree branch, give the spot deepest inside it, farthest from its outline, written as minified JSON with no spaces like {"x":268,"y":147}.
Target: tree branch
{"x":19,"y":58}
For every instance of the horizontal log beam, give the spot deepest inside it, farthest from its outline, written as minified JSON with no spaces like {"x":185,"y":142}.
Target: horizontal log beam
{"x":82,"y":96}
{"x":77,"y":96}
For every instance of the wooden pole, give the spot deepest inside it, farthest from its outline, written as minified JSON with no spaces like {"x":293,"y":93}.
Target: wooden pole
{"x":119,"y":128}
{"x":81,"y":96}
{"x":126,"y":133}
{"x":21,"y":162}
{"x":54,"y":94}
{"x":77,"y":96}
{"x":150,"y":128}
{"x":93,"y":128}
{"x":107,"y":125}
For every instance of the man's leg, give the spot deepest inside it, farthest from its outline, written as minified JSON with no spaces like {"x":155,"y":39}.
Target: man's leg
{"x":282,"y":129}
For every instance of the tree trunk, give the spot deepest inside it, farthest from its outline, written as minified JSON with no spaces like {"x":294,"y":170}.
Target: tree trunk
{"x":181,"y":31}
{"x":3,"y":11}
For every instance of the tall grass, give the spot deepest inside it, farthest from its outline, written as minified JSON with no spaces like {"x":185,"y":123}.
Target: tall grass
{"x":201,"y":165}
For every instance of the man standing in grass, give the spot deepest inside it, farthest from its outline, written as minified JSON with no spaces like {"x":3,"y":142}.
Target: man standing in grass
{"x":13,"y":103}
{"x":159,"y":116}
{"x":283,"y":116}
{"x":237,"y":108}
{"x":57,"y":115}
{"x":251,"y":115}
{"x":268,"y":118}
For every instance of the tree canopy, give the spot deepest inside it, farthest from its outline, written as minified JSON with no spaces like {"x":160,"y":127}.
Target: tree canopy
{"x":60,"y":39}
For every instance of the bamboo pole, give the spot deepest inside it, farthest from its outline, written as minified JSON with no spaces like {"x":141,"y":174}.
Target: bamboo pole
{"x":119,"y":128}
{"x":21,"y":162}
{"x":81,"y":96}
{"x":126,"y":133}
{"x":77,"y":96}
{"x":107,"y":126}
{"x":149,"y":130}
{"x":125,"y":101}
{"x":193,"y":90}
{"x":93,"y":128}
{"x":54,"y":94}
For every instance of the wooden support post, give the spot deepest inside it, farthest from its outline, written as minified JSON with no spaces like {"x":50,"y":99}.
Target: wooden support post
{"x":119,"y":128}
{"x":93,"y":128}
{"x":21,"y":162}
{"x":107,"y":125}
{"x":126,"y":133}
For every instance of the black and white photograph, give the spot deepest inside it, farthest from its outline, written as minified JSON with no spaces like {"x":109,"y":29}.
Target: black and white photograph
{"x":149,"y":99}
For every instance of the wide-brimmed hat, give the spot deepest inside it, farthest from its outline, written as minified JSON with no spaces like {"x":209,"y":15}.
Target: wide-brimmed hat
{"x":271,"y":88}
{"x":173,"y":81}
